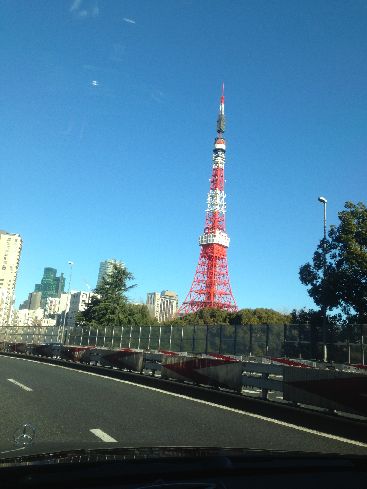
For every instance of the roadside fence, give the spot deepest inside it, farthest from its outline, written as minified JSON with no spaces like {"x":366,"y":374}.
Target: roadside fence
{"x":346,"y":344}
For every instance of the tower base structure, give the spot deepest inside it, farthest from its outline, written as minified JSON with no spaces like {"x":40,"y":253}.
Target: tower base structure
{"x":211,"y":286}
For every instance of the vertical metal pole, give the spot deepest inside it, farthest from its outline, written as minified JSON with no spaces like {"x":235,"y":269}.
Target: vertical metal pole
{"x":193,"y":338}
{"x":182,"y":337}
{"x":89,"y":336}
{"x":267,"y":340}
{"x":348,"y":341}
{"x":113,"y":336}
{"x":149,"y":337}
{"x":235,"y":340}
{"x":206,"y":338}
{"x":81,"y":337}
{"x":220,"y":339}
{"x":131,"y":330}
{"x":97,"y":336}
{"x":159,"y":339}
{"x":139,"y":337}
{"x":70,"y":263}
{"x":324,"y":312}
{"x":250,"y":342}
{"x":104,"y":336}
{"x":284,"y":339}
{"x":170,"y":338}
{"x":362,"y":344}
{"x":122,"y":332}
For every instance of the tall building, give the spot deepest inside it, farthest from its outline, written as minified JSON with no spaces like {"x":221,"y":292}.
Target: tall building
{"x":106,"y":267}
{"x":57,"y":305}
{"x":163,"y":306}
{"x":51,"y":285}
{"x":28,"y":317}
{"x":211,"y":286}
{"x":78,"y":302}
{"x":32,"y":302}
{"x":10,"y":249}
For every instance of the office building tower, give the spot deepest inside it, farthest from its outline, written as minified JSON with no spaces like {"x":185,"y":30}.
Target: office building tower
{"x":106,"y":267}
{"x":51,"y":285}
{"x":10,"y":249}
{"x":163,"y":306}
{"x":78,"y":302}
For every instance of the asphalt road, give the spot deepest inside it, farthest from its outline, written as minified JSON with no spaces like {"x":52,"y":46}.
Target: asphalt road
{"x":64,"y":405}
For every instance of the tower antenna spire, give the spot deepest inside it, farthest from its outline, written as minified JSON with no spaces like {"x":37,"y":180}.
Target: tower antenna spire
{"x":221,"y":122}
{"x":211,"y":286}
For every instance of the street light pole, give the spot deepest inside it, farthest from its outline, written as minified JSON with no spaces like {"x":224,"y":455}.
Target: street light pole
{"x":324,"y":308}
{"x":70,"y":263}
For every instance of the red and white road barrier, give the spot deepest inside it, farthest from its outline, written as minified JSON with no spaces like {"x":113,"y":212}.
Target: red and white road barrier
{"x":329,"y":389}
{"x":73,"y":353}
{"x":125,"y":358}
{"x":205,"y":370}
{"x":17,"y":347}
{"x":359,"y":366}
{"x":290,"y":363}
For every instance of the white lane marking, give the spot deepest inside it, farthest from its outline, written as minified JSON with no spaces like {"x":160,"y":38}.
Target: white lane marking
{"x":103,"y":436}
{"x":22,"y":386}
{"x":218,"y":406}
{"x":248,"y":391}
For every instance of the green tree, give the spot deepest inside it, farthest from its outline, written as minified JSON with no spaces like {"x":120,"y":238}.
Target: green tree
{"x":259,"y":316}
{"x":344,"y":285}
{"x":211,"y":316}
{"x":109,"y":306}
{"x":203,"y":316}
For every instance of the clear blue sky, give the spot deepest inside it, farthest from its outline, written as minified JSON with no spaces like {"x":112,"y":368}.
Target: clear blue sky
{"x":121,"y":168}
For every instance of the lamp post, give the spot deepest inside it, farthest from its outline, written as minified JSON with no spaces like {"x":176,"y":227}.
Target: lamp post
{"x":71,"y":264}
{"x":324,"y":308}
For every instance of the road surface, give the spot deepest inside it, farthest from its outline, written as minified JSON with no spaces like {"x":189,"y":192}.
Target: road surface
{"x":70,"y":408}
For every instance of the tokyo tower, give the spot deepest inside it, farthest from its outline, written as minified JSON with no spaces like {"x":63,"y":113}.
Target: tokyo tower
{"x":211,"y":286}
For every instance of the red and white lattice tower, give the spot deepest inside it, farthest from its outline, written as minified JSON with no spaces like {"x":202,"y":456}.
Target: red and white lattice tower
{"x":211,"y":286}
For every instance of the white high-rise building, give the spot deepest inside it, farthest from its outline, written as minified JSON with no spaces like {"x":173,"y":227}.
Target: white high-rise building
{"x":162,"y":306}
{"x":78,"y":302}
{"x":28,"y":317}
{"x":10,"y":249}
{"x":57,"y":305}
{"x":105,"y":268}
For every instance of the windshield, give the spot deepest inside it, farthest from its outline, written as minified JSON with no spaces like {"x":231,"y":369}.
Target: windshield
{"x":183,"y":244}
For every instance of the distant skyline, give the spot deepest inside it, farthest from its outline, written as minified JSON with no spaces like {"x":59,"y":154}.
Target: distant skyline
{"x":108,"y":119}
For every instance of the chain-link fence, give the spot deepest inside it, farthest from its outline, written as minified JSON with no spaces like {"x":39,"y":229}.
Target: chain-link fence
{"x":345,"y":343}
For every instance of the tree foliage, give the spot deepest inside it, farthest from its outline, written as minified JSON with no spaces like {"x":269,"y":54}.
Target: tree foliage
{"x":344,"y":285}
{"x":259,"y":316}
{"x":243,"y":316}
{"x":110,"y":307}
